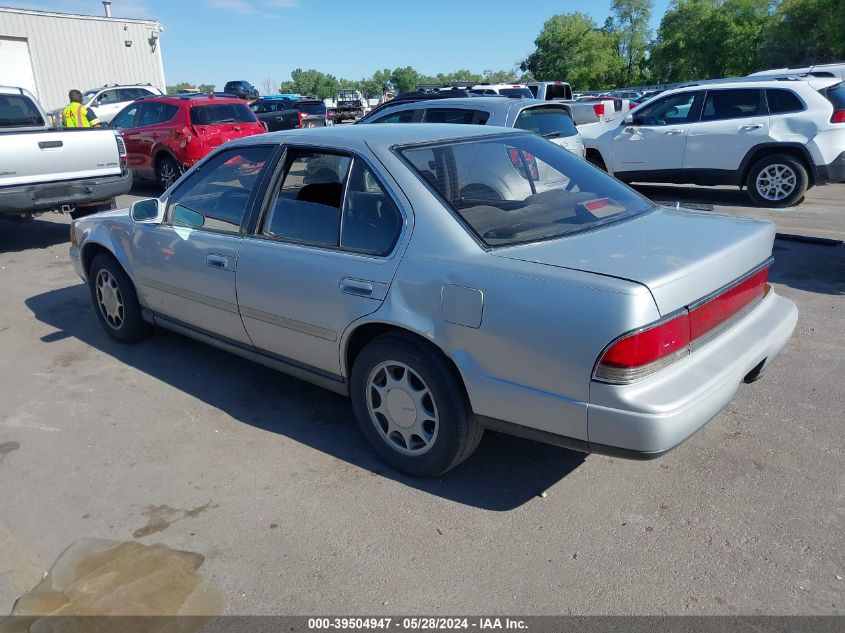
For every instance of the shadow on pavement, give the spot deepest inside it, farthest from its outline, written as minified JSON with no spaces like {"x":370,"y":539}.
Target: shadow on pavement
{"x":503,"y":474}
{"x":15,"y":237}
{"x":695,"y":196}
{"x":810,"y":267}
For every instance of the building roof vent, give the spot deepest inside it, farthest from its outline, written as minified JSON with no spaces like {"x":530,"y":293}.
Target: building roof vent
{"x":107,"y":8}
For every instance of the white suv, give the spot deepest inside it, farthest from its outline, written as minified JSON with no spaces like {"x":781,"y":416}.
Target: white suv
{"x":776,"y":137}
{"x":108,"y":100}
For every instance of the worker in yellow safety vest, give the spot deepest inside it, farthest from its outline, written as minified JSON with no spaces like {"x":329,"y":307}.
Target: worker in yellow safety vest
{"x":77,"y":115}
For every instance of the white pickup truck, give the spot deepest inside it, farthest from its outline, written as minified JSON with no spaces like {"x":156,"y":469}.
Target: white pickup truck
{"x":593,"y":110}
{"x":77,"y":171}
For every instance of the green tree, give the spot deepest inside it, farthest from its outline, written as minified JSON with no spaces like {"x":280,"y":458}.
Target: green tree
{"x":572,"y":48}
{"x":206,"y":87}
{"x":312,"y":83}
{"x":405,"y":79}
{"x":373,"y":85}
{"x":803,"y":32}
{"x":630,"y":23}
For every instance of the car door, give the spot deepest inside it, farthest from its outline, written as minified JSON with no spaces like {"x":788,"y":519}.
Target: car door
{"x":186,"y":265}
{"x":126,"y":122}
{"x":322,"y":256}
{"x":653,"y":143}
{"x":733,"y":121}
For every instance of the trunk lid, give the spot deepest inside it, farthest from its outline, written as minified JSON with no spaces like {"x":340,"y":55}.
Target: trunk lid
{"x":681,"y":256}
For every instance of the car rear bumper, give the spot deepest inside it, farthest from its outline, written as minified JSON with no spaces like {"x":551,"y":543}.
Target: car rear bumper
{"x":645,"y":419}
{"x":37,"y":198}
{"x":834,"y":171}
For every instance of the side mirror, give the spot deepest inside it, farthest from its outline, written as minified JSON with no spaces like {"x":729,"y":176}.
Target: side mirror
{"x":144,"y":210}
{"x":629,"y":119}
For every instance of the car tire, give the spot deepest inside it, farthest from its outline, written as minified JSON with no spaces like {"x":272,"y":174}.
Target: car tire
{"x":779,"y":180}
{"x":81,"y":212}
{"x":422,"y":425}
{"x":115,"y":301}
{"x":167,"y":172}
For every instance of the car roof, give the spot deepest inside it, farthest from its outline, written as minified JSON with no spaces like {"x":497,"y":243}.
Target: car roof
{"x":194,"y":99}
{"x":492,"y":102}
{"x":378,"y":137}
{"x":757,"y":82}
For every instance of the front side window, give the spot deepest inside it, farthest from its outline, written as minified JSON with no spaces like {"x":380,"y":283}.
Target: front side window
{"x":19,"y":111}
{"x":107,"y":97}
{"x":732,"y":104}
{"x":456,"y":115}
{"x":405,"y":116}
{"x":514,"y":189}
{"x":547,"y":121}
{"x":155,"y":112}
{"x":217,"y":196}
{"x":672,"y":110}
{"x":126,"y":118}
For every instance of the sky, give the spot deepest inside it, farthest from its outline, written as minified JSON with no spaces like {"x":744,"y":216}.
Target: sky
{"x":214,"y":41}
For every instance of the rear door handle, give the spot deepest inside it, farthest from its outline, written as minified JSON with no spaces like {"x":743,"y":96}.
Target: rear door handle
{"x":50,"y":144}
{"x":218,"y":261}
{"x":673,"y":132}
{"x":752,"y":126}
{"x":356,"y":287}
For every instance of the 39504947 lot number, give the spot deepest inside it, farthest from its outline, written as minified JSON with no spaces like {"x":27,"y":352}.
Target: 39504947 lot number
{"x":411,"y":624}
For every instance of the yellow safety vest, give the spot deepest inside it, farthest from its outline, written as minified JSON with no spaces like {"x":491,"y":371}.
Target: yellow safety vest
{"x":76,"y":115}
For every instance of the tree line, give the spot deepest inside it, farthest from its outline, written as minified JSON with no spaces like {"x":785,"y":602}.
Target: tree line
{"x":696,"y":39}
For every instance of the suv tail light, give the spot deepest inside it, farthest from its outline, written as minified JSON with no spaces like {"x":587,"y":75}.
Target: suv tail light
{"x":301,"y":118}
{"x":838,"y":116}
{"x":516,"y":161}
{"x":598,"y":108}
{"x":650,"y":349}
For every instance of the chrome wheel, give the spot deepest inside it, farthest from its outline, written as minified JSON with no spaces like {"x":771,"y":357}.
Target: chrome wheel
{"x":109,"y":299}
{"x":168,"y":173}
{"x":776,"y":182}
{"x":402,"y":408}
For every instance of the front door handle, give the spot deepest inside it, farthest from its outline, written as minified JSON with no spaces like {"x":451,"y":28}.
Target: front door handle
{"x":356,"y":287}
{"x":673,"y":132}
{"x":217,"y":261}
{"x":752,"y":126}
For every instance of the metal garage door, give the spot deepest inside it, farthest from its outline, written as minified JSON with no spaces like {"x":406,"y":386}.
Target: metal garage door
{"x":15,"y":64}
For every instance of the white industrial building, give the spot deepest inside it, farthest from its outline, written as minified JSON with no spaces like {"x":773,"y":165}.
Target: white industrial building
{"x":51,"y":53}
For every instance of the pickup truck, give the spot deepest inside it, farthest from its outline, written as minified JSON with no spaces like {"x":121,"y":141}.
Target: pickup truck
{"x":584,"y":110}
{"x":351,"y":104}
{"x":77,"y":171}
{"x":289,"y":114}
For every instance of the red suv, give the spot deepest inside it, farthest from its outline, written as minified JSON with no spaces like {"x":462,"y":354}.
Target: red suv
{"x":166,"y":135}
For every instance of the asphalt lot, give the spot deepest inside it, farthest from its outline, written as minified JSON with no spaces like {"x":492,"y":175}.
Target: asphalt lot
{"x":172,"y":441}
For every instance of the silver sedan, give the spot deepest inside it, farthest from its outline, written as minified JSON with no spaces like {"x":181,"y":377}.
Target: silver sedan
{"x":448,"y":279}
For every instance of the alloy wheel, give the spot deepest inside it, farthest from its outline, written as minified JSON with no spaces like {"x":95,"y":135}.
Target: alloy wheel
{"x":776,"y":182}
{"x":168,"y":174}
{"x":109,"y":299}
{"x":402,"y":408}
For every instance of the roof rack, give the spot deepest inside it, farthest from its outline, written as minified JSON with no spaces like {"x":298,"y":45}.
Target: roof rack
{"x":132,"y":84}
{"x":190,"y":95}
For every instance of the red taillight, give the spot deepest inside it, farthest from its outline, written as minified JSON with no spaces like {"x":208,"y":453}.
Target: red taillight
{"x":301,"y":118}
{"x":838,"y":117}
{"x":598,"y":108}
{"x":516,"y":161}
{"x":646,"y":351}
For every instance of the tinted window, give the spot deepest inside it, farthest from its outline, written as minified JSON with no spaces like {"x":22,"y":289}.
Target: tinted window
{"x":519,"y":188}
{"x":155,"y":112}
{"x":312,"y":107}
{"x":514,"y":92}
{"x":836,"y":95}
{"x":405,"y":116}
{"x":732,"y":104}
{"x":306,"y":208}
{"x":220,"y":113}
{"x":371,"y":221}
{"x":19,"y":111}
{"x":781,"y":101}
{"x":548,"y":121}
{"x":534,"y":90}
{"x":126,"y":118}
{"x":672,"y":110}
{"x":558,"y":91}
{"x":455,"y":115}
{"x":216,"y":197}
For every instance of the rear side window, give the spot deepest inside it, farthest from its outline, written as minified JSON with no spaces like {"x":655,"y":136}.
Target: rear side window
{"x":455,"y":115}
{"x":836,"y":95}
{"x":547,"y":121}
{"x":221,"y":113}
{"x":732,"y":104}
{"x":156,"y":112}
{"x":781,"y":101}
{"x":558,"y":91}
{"x":405,"y":116}
{"x":18,"y":111}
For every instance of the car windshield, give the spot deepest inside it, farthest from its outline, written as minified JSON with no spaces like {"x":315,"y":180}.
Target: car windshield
{"x":87,"y":96}
{"x":19,"y":111}
{"x":547,"y":121}
{"x":220,"y":113}
{"x":520,"y":188}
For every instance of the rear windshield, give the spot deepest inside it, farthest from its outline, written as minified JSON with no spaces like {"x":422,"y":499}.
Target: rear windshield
{"x":547,"y":121}
{"x":19,"y":111}
{"x":518,"y":188}
{"x":312,"y":107}
{"x":534,"y":90}
{"x":513,"y":92}
{"x":220,"y":113}
{"x":558,"y":91}
{"x":836,"y":95}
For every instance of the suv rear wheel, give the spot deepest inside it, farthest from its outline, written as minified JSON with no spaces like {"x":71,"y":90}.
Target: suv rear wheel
{"x":779,"y":180}
{"x":167,"y":172}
